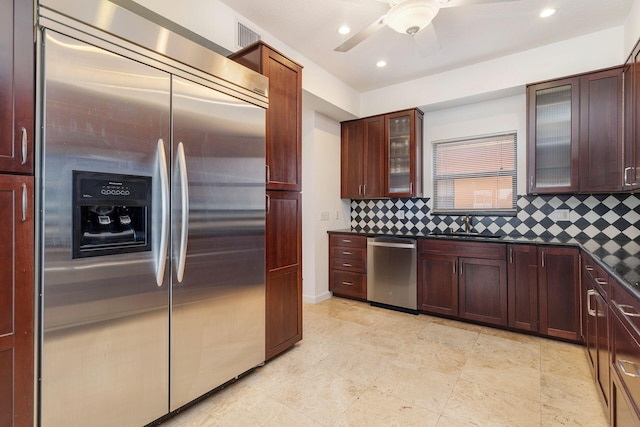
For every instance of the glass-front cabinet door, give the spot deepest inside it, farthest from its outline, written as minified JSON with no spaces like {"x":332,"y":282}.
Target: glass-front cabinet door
{"x":553,"y":110}
{"x":404,"y":151}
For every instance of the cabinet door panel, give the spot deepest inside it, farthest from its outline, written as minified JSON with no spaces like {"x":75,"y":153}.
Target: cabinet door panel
{"x":284,"y":272}
{"x":483,"y":290}
{"x":283,"y":229}
{"x":16,"y":301}
{"x":17,"y":86}
{"x":374,"y":158}
{"x":601,"y":131}
{"x":283,"y":122}
{"x":553,"y":136}
{"x":523,"y":287}
{"x":351,"y":160}
{"x":438,"y":284}
{"x":559,"y":292}
{"x":284,"y":310}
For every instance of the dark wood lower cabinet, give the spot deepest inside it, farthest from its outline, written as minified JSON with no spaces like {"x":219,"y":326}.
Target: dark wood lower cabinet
{"x":463,"y":279}
{"x":558,"y":278}
{"x":16,"y":301}
{"x":284,"y":271}
{"x":438,"y":284}
{"x":483,"y":290}
{"x":348,"y":266}
{"x":522,"y":287}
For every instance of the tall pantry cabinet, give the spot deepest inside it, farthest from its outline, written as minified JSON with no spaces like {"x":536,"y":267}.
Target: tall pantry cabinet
{"x":284,"y":202}
{"x":17,"y":106}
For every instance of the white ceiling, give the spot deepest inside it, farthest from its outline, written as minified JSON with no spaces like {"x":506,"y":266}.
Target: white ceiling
{"x":466,"y":34}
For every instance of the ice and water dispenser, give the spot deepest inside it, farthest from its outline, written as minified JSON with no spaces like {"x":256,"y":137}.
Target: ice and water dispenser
{"x":111,"y":213}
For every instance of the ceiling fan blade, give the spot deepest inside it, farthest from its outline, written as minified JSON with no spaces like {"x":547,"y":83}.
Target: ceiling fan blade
{"x":426,"y":41}
{"x":456,"y":3}
{"x":362,"y":35}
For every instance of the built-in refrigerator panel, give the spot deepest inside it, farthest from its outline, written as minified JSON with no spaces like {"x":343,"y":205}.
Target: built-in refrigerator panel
{"x":218,"y":230}
{"x":105,"y":316}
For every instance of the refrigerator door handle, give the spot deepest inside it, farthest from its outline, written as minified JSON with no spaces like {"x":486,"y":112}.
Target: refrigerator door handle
{"x":184,"y":229}
{"x":164,"y":190}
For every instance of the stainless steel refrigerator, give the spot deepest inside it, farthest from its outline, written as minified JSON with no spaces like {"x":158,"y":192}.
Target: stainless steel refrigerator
{"x":152,"y":230}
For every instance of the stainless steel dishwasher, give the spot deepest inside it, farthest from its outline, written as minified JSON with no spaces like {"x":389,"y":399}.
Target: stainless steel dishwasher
{"x":392,"y":273}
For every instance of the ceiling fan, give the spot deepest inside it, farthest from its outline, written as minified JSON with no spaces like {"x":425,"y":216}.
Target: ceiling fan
{"x":408,"y":17}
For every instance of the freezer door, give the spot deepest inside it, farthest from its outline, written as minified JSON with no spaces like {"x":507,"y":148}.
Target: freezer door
{"x":105,"y":323}
{"x":218,"y":228}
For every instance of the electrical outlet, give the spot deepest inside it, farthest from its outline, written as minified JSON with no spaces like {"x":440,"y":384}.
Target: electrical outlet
{"x":400,"y":214}
{"x":337,"y":214}
{"x":563,"y":215}
{"x":324,"y":216}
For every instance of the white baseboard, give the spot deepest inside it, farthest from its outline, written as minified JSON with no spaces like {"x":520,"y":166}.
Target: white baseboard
{"x":315,"y":299}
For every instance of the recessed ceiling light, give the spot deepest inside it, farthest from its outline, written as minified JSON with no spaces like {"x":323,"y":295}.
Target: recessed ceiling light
{"x":547,"y":12}
{"x":381,"y":63}
{"x":344,"y":29}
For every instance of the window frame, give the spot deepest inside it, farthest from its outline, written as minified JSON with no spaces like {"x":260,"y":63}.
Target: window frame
{"x":451,"y":177}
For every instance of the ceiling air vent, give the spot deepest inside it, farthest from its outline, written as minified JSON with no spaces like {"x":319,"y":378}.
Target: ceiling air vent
{"x":246,"y":36}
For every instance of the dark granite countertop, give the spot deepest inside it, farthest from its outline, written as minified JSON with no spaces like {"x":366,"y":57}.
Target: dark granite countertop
{"x":620,"y":258}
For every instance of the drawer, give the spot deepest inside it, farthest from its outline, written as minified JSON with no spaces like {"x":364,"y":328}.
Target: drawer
{"x":464,"y":249}
{"x":348,"y":240}
{"x":348,"y":284}
{"x":348,"y":253}
{"x":356,"y":265}
{"x":625,"y":306}
{"x":625,"y":359}
{"x":597,"y":274}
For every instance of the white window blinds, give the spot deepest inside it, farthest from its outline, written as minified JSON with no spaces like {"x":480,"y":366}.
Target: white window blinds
{"x":476,"y":174}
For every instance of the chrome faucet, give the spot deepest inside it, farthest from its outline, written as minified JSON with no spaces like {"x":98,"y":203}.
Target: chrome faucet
{"x":467,"y":223}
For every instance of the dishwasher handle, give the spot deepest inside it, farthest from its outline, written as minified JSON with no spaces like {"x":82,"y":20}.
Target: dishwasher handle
{"x":411,"y":245}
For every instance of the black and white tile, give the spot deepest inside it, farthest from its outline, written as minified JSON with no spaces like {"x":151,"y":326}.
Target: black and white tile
{"x":601,"y":216}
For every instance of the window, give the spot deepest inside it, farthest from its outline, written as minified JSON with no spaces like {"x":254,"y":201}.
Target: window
{"x":476,"y":174}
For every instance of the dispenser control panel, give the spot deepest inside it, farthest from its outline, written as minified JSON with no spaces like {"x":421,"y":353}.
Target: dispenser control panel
{"x":111,"y":213}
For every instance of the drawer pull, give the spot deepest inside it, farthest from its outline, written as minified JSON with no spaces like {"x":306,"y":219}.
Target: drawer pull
{"x":346,"y":241}
{"x":591,"y":311}
{"x":588,"y":268}
{"x":623,"y":309}
{"x":347,"y":253}
{"x":348,"y":283}
{"x":347,"y":265}
{"x":600,"y":281}
{"x":622,"y":362}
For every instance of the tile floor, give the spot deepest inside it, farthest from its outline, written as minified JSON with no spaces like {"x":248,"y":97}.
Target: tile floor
{"x":365,"y":366}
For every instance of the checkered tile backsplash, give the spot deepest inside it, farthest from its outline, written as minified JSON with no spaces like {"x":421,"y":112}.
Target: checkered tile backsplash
{"x":600,"y":216}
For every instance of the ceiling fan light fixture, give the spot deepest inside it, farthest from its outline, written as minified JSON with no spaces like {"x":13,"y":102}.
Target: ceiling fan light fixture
{"x":344,"y":30}
{"x":410,"y":16}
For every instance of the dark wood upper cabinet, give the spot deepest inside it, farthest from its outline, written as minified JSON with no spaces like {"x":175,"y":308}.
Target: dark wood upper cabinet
{"x":284,"y":115}
{"x":558,"y":278}
{"x":17,"y":86}
{"x":601,"y":140}
{"x":16,"y":300}
{"x":575,"y":134}
{"x":363,"y":159}
{"x":631,"y":89}
{"x":404,"y":149}
{"x":522,"y":283}
{"x":381,"y":156}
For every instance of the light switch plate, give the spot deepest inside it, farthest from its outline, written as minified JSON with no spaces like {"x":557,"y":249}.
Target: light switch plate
{"x":563,"y":215}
